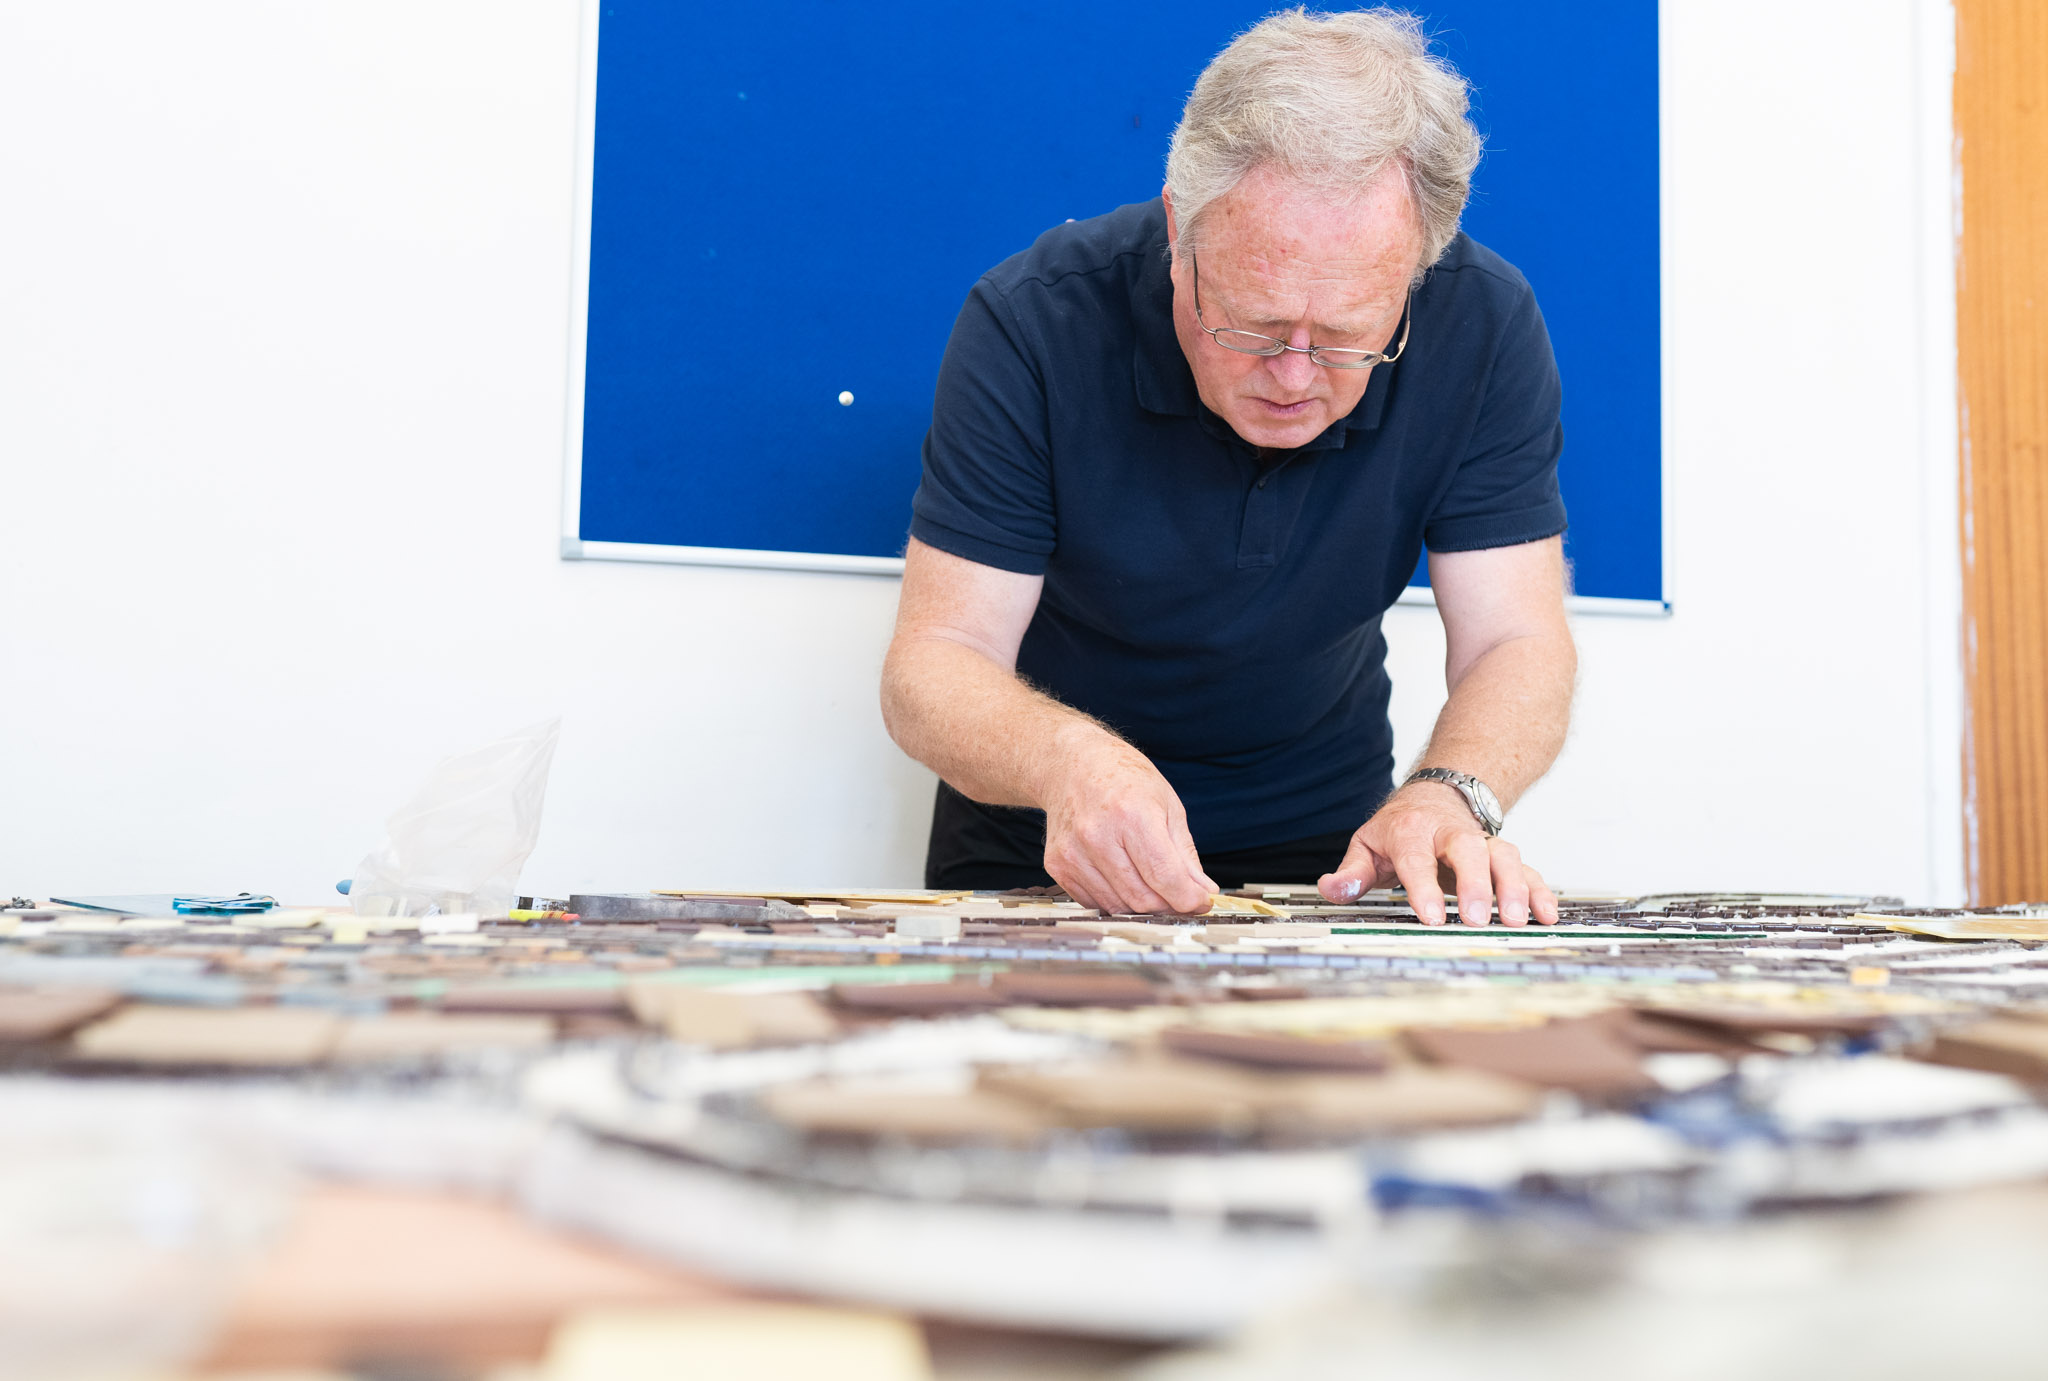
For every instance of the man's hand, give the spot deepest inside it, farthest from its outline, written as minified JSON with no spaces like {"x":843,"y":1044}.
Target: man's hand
{"x":1116,"y":835}
{"x":1426,"y":835}
{"x":1508,"y":665}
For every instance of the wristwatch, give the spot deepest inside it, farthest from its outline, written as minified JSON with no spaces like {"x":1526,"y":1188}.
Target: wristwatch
{"x":1477,"y":794}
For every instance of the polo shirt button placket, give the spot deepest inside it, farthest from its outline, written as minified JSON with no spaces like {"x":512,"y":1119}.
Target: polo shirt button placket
{"x":1255,"y":537}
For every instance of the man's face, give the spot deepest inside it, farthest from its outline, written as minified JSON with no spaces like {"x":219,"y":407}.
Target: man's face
{"x":1302,"y":268}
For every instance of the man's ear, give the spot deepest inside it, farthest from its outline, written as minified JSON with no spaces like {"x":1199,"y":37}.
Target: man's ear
{"x":1172,"y":225}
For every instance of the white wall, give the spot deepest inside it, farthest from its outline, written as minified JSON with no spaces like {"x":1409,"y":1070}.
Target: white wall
{"x":1795,"y":723}
{"x":283,"y":312}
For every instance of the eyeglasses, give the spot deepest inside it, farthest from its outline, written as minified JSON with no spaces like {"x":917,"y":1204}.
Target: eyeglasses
{"x":1252,"y":343}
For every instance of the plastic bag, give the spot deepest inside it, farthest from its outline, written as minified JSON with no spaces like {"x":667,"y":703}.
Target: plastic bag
{"x":459,"y":843}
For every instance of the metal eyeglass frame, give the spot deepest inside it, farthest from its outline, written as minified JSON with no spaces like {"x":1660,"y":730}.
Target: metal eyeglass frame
{"x":1276,"y":346}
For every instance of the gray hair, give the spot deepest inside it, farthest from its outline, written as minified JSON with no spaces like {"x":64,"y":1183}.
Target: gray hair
{"x":1329,"y":101}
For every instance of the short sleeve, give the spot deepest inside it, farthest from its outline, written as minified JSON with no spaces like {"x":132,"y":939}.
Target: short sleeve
{"x":1504,"y":491}
{"x":986,"y":491}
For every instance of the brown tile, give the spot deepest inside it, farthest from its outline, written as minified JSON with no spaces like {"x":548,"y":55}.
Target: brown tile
{"x":596,"y":1026}
{"x":1076,"y":989}
{"x":911,"y":999}
{"x":1406,"y":1098}
{"x":1266,"y":992}
{"x":43,"y":1014}
{"x":398,"y":1275}
{"x":1746,"y":1021}
{"x":1647,"y":1030}
{"x":1275,"y":1052}
{"x":1154,"y":1095}
{"x":210,"y":1036}
{"x":969,"y":1115}
{"x":726,"y":1020}
{"x":1582,"y":1055}
{"x":2018,"y":1048}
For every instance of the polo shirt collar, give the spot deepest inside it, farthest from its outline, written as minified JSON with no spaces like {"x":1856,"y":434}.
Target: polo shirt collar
{"x":1166,"y":385}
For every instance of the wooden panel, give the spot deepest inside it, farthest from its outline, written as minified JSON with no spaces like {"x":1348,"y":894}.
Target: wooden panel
{"x":2001,"y":111}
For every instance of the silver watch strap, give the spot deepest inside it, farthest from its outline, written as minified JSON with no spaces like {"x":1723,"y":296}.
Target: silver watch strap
{"x":1477,"y":794}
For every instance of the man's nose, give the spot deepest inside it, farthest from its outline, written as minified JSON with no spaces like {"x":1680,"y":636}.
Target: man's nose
{"x":1294,"y":372}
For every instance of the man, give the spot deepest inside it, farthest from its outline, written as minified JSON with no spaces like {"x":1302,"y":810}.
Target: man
{"x":1182,"y":459}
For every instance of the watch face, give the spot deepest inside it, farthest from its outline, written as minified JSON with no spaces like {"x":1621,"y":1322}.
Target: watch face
{"x":1488,"y":802}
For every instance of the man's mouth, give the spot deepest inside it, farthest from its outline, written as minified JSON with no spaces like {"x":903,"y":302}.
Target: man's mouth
{"x":1284,"y":409}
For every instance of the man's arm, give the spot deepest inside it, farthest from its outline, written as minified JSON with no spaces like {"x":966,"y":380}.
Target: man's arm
{"x":1510,"y":668}
{"x":1116,"y":834}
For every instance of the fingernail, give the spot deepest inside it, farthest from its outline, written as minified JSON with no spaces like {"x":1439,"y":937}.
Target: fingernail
{"x":1433,"y":915}
{"x":1513,"y":915}
{"x":1349,"y":888}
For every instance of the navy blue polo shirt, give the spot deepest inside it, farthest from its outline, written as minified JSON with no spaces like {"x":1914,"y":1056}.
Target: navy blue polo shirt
{"x":1221,"y":611}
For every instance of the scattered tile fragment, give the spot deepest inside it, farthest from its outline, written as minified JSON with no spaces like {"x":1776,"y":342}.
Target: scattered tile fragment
{"x":1405,"y":1098}
{"x":42,"y":1014}
{"x":1753,"y":1020}
{"x":1153,"y":1096}
{"x":727,"y":1020}
{"x":1075,"y":989}
{"x":2002,"y":1045}
{"x":398,"y":1035}
{"x":949,"y":1116}
{"x":1275,"y":1052}
{"x":254,"y":1036}
{"x":912,"y":999}
{"x":1584,"y":1056}
{"x":1652,"y":1032}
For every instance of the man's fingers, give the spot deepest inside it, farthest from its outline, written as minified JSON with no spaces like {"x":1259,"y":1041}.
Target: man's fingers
{"x":1418,"y":842}
{"x":1359,"y":870}
{"x":1467,"y":856}
{"x":1100,"y":892}
{"x":1185,"y":842}
{"x":1510,"y":882}
{"x":1096,"y":857}
{"x":1542,"y":901}
{"x":1070,"y":882}
{"x":1074,"y":870}
{"x":1417,"y":871}
{"x":1163,"y":862}
{"x":1134,"y":896}
{"x":1132,"y":870}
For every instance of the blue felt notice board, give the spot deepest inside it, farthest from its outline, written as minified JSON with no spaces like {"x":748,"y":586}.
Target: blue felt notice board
{"x":786,"y":203}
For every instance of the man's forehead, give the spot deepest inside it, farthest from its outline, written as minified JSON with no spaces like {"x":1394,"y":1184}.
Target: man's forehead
{"x":1350,"y":288}
{"x":1273,"y":268}
{"x":1265,"y":238}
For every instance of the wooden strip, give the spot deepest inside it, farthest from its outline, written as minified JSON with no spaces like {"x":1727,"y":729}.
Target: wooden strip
{"x":2001,"y":117}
